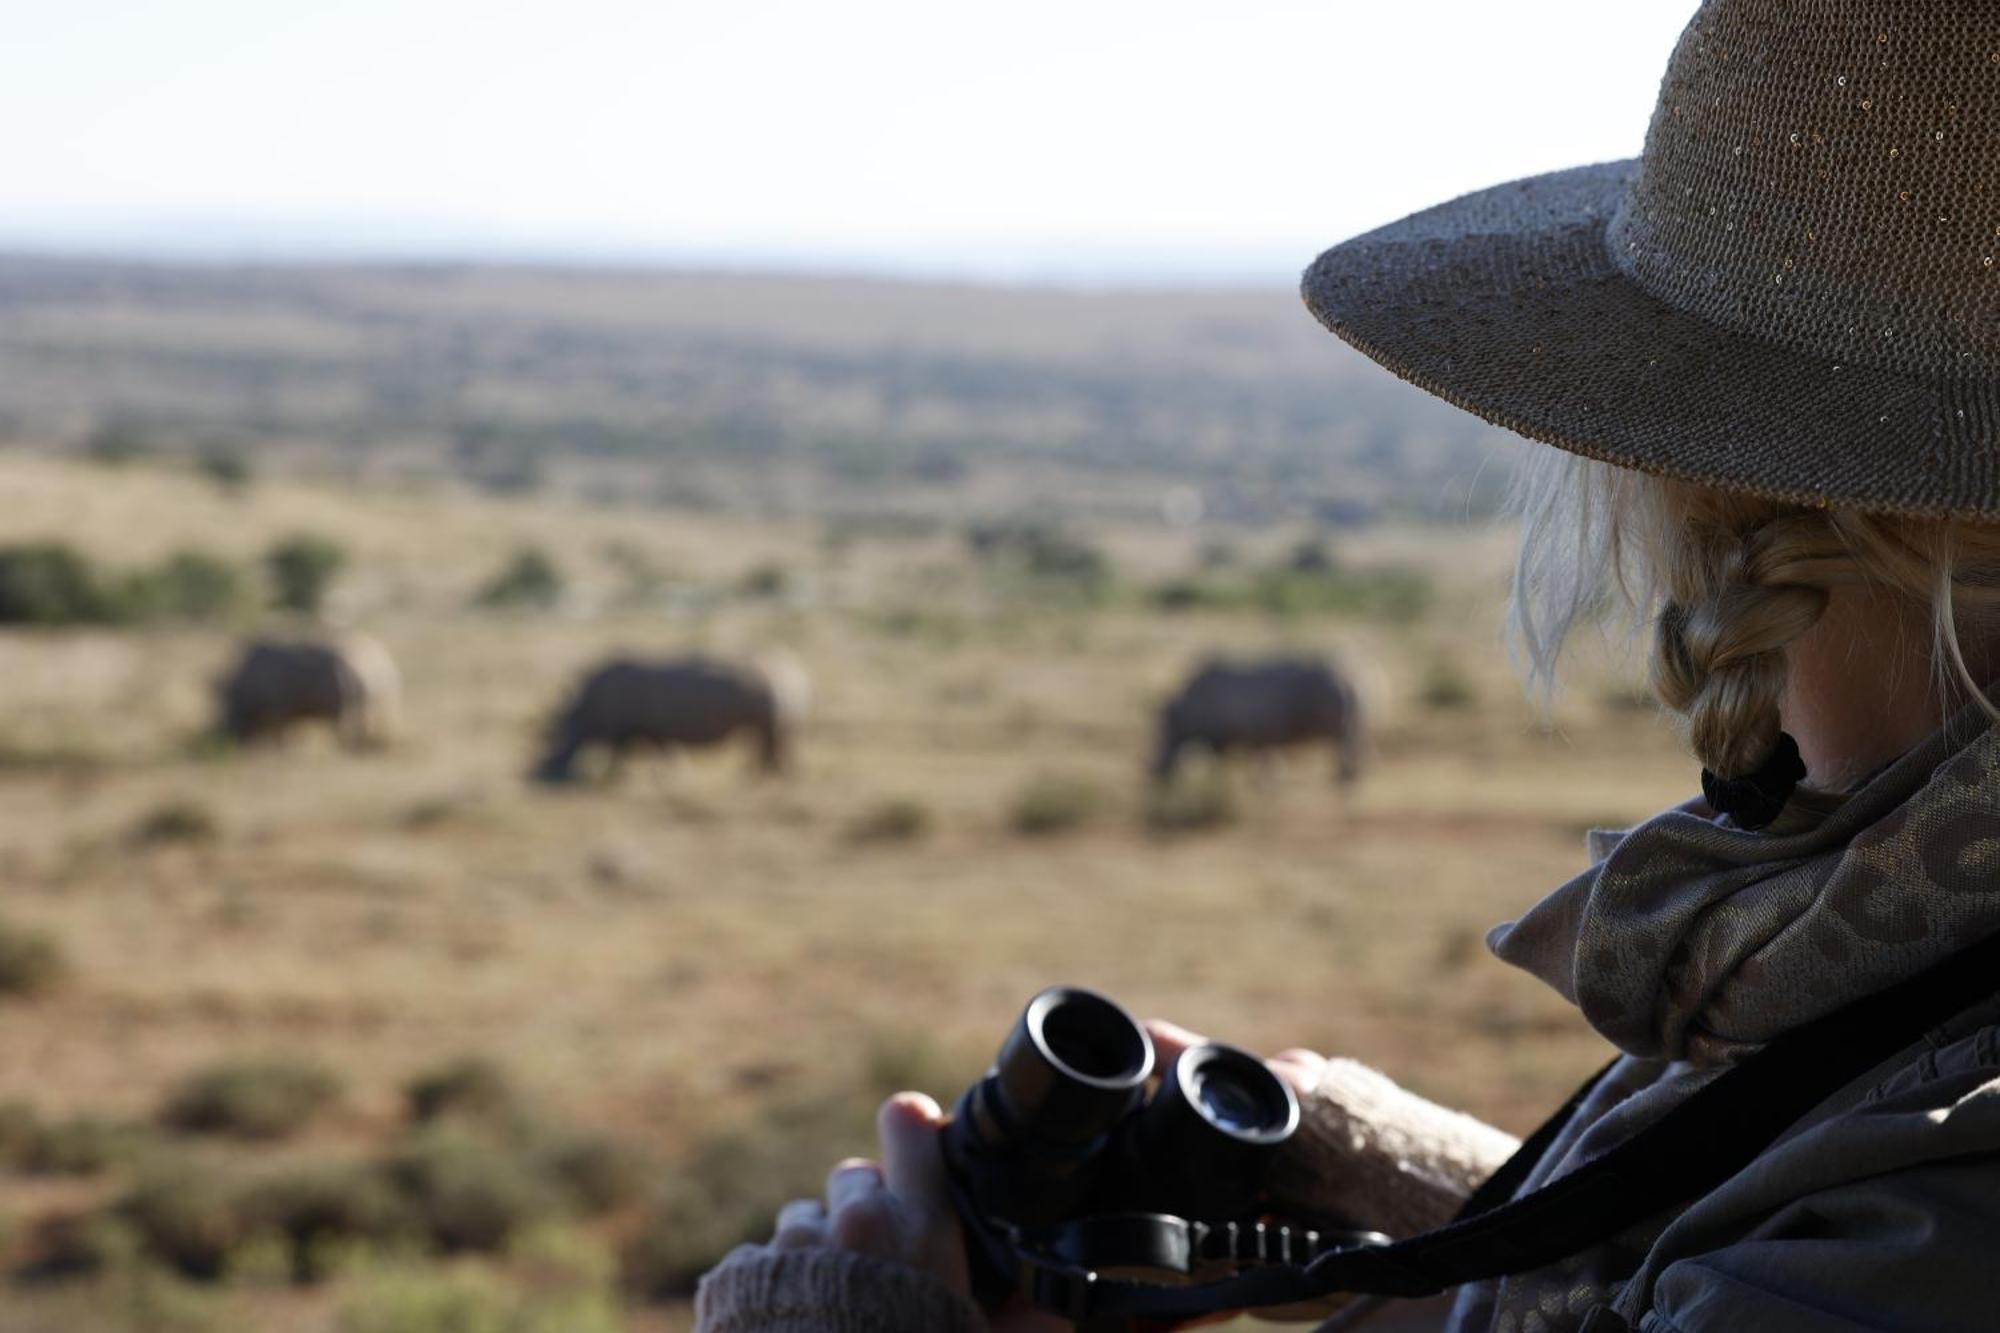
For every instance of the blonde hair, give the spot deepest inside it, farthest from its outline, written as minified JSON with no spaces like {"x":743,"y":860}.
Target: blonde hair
{"x":1725,"y":582}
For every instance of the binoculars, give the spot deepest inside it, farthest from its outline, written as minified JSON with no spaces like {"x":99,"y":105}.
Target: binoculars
{"x":1075,"y":1159}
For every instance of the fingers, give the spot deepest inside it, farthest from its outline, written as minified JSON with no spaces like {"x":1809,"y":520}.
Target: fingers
{"x":1170,"y":1039}
{"x":801,"y":1224}
{"x":861,"y":1215}
{"x":912,"y":1163}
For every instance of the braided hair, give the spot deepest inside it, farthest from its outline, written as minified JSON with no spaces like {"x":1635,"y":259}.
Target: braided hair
{"x":1723,"y":584}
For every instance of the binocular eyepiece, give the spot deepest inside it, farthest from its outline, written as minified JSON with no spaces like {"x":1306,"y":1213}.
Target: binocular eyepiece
{"x":1063,"y":1125}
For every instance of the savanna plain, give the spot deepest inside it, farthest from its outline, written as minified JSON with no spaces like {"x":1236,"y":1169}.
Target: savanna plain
{"x":395,"y":1041}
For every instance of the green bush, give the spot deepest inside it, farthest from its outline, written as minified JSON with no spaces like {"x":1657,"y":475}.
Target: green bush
{"x":1446,"y":687}
{"x":1399,"y":596}
{"x":469,"y":1192}
{"x":898,"y":819}
{"x":1055,"y":803}
{"x":177,"y":821}
{"x":768,"y":579}
{"x":82,"y":1145}
{"x":302,"y":569}
{"x":1311,"y":556}
{"x":117,"y":443}
{"x":1045,"y":552}
{"x":596,"y":1172}
{"x":265,"y":1097}
{"x":52,"y":583}
{"x":317,"y":1208}
{"x":472,"y":1086}
{"x":186,"y":1217}
{"x":32,"y":961}
{"x":1191,"y":807}
{"x":529,"y":579}
{"x":190,"y":585}
{"x":1189,"y":594}
{"x":229,"y":468}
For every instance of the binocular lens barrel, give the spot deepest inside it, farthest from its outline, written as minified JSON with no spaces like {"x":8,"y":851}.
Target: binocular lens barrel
{"x":1072,"y":1068}
{"x":1062,"y":1124}
{"x":1212,"y":1127}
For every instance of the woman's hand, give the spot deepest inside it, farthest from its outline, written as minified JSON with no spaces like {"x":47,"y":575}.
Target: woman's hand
{"x":1299,"y":1067}
{"x":899,"y":1209}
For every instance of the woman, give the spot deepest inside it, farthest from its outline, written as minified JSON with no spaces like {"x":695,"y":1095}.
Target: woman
{"x":1771,"y":350}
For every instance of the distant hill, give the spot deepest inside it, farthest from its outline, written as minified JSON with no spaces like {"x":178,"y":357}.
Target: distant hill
{"x":511,"y":375}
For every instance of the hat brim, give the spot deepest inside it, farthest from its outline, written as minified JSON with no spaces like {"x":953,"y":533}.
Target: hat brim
{"x":1507,"y":303}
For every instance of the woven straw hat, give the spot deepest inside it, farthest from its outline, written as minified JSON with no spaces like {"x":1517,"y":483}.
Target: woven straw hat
{"x":1795,"y":292}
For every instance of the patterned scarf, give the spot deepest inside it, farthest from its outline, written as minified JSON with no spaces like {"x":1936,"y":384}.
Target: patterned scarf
{"x":1691,"y":939}
{"x":1691,"y":942}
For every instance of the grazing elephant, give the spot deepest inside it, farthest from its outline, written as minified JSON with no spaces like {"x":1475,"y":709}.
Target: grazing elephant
{"x":689,"y":702}
{"x":1261,"y":707}
{"x":351,"y":684}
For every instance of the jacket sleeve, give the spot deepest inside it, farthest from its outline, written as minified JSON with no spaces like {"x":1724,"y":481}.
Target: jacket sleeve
{"x":757,"y":1289}
{"x":1887,"y":1217}
{"x":1377,"y":1155}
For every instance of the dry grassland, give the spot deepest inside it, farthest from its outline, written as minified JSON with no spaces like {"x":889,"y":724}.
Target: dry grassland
{"x":673,"y":954}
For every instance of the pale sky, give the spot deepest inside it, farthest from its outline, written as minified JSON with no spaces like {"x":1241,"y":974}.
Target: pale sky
{"x":1029,"y":137}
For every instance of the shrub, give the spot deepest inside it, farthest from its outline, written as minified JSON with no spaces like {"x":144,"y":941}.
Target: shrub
{"x":468,"y":1192}
{"x":595,"y":1171}
{"x":898,"y":819}
{"x":1399,"y":596}
{"x":185,"y":1217}
{"x":1311,"y":556}
{"x":267,"y":1097}
{"x":318,"y":1207}
{"x":1055,"y":803}
{"x":768,"y":579}
{"x":529,"y":579}
{"x":116,"y":444}
{"x":52,"y":583}
{"x":1188,"y":594}
{"x":80,"y":1146}
{"x":1055,"y":555}
{"x":229,"y":468}
{"x":1190,"y":807}
{"x":469,"y":1085}
{"x":68,"y":1244}
{"x":32,"y":961}
{"x":1446,"y":687}
{"x":189,"y":585}
{"x":302,"y":569}
{"x":183,"y":821}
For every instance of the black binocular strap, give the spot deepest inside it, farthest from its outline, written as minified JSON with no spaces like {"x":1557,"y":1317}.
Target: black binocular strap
{"x":1686,"y":1153}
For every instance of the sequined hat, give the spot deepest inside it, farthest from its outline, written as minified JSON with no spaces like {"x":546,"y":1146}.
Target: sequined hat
{"x":1794,"y":292}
